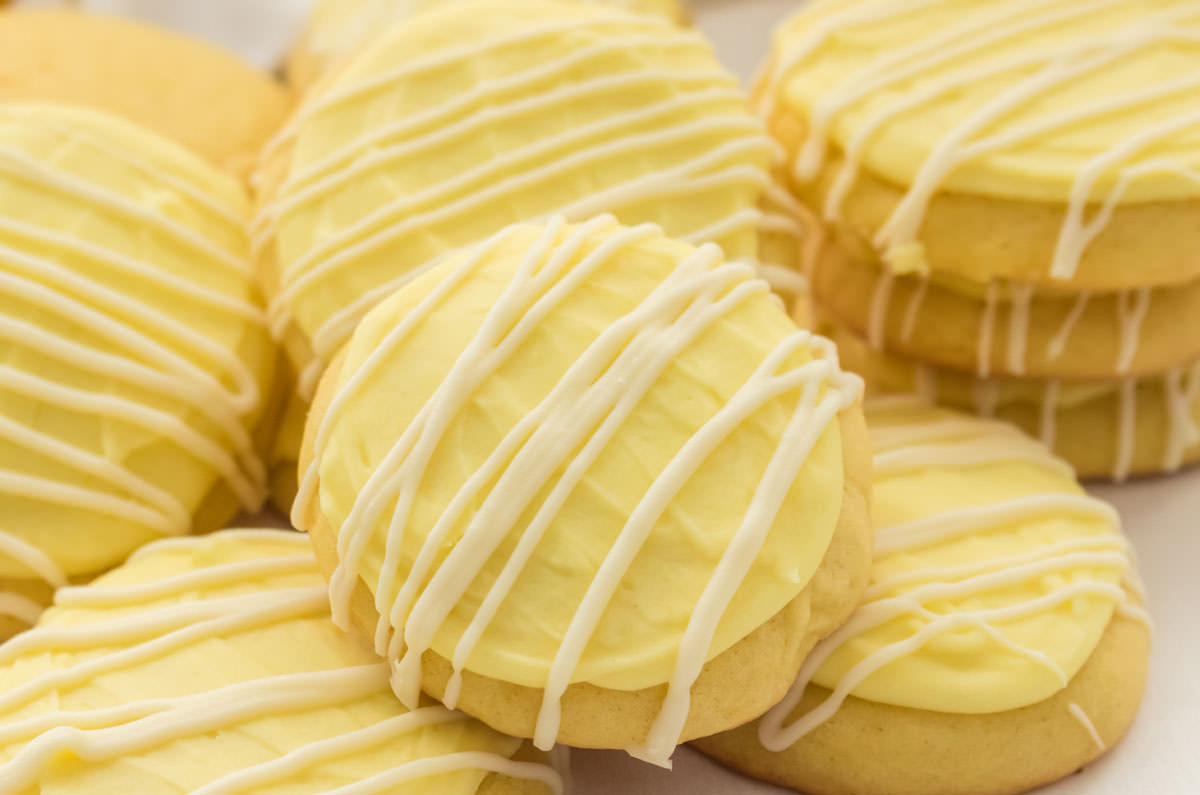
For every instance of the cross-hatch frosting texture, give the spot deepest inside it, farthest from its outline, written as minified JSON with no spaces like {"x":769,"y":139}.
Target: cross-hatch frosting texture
{"x":209,"y":665}
{"x":1030,"y":99}
{"x":994,"y":576}
{"x":133,"y":343}
{"x":479,"y":115}
{"x":599,"y":447}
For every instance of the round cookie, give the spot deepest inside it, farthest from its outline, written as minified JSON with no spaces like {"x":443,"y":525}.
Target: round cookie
{"x":421,"y":146}
{"x":190,"y":91}
{"x":565,"y":404}
{"x":136,"y":356}
{"x":1105,"y":429}
{"x":339,"y":29}
{"x":209,"y":665}
{"x":1007,"y":328}
{"x":1048,"y":144}
{"x":999,"y":646}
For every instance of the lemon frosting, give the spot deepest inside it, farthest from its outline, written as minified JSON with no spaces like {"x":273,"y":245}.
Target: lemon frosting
{"x":1071,"y":101}
{"x":209,"y":665}
{"x":994,"y":577}
{"x":337,"y":29}
{"x":481,"y":114}
{"x":605,"y":457}
{"x":134,"y":351}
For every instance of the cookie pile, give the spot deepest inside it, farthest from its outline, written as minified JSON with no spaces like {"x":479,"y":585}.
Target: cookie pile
{"x":503,"y":304}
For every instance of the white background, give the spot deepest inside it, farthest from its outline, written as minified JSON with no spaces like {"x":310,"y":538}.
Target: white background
{"x":1161,"y":755}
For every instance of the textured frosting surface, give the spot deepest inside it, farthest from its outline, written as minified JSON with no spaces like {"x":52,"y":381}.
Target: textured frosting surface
{"x":994,"y":574}
{"x":210,"y":665}
{"x":594,"y":298}
{"x":134,"y":353}
{"x":337,"y":29}
{"x":425,"y":143}
{"x":1026,"y":100}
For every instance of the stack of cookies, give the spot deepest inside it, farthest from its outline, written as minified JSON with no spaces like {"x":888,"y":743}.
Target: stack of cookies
{"x":1009,"y":205}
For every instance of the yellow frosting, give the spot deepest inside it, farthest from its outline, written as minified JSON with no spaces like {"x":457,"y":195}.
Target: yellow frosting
{"x":998,"y":46}
{"x":481,"y":114}
{"x":339,"y":29}
{"x":636,"y":642}
{"x":966,"y":670}
{"x":164,"y":384}
{"x":211,"y":588}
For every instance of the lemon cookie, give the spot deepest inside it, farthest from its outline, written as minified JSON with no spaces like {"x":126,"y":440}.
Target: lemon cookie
{"x":1105,"y":428}
{"x":1000,"y":645}
{"x":136,"y":356}
{"x":339,"y":29}
{"x":209,"y":665}
{"x":590,"y":484}
{"x":424,"y":144}
{"x":187,"y":90}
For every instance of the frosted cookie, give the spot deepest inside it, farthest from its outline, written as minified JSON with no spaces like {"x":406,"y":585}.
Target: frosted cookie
{"x":136,"y":356}
{"x":1000,"y":645}
{"x":209,"y":665}
{"x":423,"y":145}
{"x":339,"y":29}
{"x":192,"y":92}
{"x":612,"y":496}
{"x":1105,"y":429}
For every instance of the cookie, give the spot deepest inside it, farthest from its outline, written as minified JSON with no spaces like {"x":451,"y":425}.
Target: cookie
{"x":136,"y":358}
{"x":1001,"y":644}
{"x":589,"y":484}
{"x":210,"y":665}
{"x":192,"y":92}
{"x":1105,"y":429}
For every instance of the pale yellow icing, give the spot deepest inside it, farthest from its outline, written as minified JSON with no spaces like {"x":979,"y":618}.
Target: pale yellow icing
{"x":678,"y":429}
{"x":209,"y":665}
{"x":994,"y":576}
{"x":463,"y":120}
{"x":339,"y":29}
{"x":1083,"y":77}
{"x":134,"y":341}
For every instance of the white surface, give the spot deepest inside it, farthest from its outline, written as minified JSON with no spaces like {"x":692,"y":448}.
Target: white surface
{"x":1162,"y":753}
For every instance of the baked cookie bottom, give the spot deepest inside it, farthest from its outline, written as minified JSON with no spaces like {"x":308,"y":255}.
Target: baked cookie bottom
{"x":734,"y":687}
{"x":1105,"y":429}
{"x":870,"y":748}
{"x":1007,"y":328}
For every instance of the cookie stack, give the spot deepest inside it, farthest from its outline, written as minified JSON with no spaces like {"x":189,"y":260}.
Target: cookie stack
{"x":1009,"y":204}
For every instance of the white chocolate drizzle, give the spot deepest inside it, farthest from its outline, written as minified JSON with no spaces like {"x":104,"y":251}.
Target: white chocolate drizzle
{"x":101,"y":734}
{"x":159,"y":356}
{"x":911,"y":593}
{"x":1078,"y":713}
{"x":581,"y":413}
{"x":532,"y":163}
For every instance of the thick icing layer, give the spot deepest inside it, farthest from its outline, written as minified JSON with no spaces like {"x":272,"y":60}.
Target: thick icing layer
{"x":426,"y":143}
{"x":1070,"y":101}
{"x":134,"y":353}
{"x":209,"y":665}
{"x":993,"y":580}
{"x":568,"y":400}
